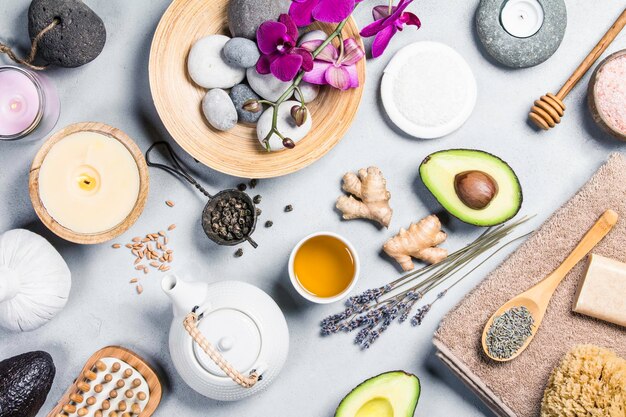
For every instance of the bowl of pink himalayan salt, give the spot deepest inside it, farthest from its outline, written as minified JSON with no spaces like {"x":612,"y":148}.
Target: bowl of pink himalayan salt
{"x":607,"y":95}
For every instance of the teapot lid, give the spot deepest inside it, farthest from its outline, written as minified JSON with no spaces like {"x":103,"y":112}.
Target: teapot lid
{"x":234,"y":334}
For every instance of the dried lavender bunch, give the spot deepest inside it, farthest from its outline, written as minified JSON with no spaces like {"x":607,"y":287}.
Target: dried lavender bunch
{"x":373,"y":311}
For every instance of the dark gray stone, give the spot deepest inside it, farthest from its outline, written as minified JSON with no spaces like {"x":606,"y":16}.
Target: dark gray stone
{"x":241,"y":52}
{"x":245,"y":16}
{"x":239,"y":94}
{"x":521,"y":52}
{"x":77,"y":40}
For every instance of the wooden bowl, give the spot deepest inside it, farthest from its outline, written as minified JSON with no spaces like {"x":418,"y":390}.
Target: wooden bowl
{"x":62,"y":231}
{"x":598,"y":117}
{"x":236,"y":152}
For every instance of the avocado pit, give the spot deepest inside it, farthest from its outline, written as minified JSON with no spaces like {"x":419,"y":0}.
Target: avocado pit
{"x":475,"y":189}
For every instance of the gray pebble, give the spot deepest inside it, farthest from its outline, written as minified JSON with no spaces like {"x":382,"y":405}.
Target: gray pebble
{"x":239,"y":94}
{"x":245,"y":16}
{"x":219,"y":109}
{"x":241,"y":52}
{"x":266,"y":85}
{"x":77,"y":40}
{"x":521,"y":52}
{"x":309,"y":92}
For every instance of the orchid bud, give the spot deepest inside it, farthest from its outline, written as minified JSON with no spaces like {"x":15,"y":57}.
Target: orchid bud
{"x":299,"y":115}
{"x":252,"y":105}
{"x":288,"y":143}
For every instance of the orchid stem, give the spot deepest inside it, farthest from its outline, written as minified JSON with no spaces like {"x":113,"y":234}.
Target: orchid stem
{"x":296,"y":82}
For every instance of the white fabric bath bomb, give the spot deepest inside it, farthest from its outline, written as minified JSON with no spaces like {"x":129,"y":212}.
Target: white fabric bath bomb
{"x":285,"y":125}
{"x":207,"y":67}
{"x":428,"y":90}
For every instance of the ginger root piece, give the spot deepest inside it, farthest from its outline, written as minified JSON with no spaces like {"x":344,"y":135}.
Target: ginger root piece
{"x":419,"y":242}
{"x":372,"y":197}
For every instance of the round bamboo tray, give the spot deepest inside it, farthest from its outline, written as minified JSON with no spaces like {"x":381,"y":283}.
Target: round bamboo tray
{"x":598,"y":117}
{"x":236,"y":152}
{"x":62,"y":231}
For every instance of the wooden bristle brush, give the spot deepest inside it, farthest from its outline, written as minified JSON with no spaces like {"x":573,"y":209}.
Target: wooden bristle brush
{"x":115,"y":382}
{"x":549,"y":109}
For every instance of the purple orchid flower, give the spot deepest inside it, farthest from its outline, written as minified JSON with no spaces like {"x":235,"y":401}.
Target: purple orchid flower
{"x":334,"y":67}
{"x":387,"y":24}
{"x":279,"y":54}
{"x":305,"y":12}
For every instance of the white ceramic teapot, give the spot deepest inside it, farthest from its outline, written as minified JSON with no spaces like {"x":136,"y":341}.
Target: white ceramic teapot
{"x":228,"y":340}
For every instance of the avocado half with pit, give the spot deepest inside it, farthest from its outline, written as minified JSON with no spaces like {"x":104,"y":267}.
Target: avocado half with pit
{"x":475,"y":186}
{"x":392,"y":394}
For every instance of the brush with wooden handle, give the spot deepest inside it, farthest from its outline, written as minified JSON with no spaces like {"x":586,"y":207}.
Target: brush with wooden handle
{"x":549,"y":109}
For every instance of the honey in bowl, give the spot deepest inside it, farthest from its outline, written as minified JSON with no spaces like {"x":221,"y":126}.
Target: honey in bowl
{"x":324,"y":266}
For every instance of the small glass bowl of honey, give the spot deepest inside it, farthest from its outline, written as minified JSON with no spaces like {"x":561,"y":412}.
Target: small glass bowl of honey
{"x":324,"y":267}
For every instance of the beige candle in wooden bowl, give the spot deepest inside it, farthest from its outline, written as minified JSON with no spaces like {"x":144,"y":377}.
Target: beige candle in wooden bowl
{"x":89,"y":183}
{"x":237,"y":151}
{"x":607,"y":95}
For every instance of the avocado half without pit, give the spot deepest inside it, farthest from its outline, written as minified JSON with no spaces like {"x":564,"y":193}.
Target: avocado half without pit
{"x":475,"y":186}
{"x":392,"y":394}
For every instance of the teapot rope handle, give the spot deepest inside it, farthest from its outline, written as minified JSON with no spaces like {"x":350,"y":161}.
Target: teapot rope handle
{"x":191,"y":326}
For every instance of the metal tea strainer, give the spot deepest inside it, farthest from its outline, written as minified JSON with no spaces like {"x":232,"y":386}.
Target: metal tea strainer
{"x":224,"y":200}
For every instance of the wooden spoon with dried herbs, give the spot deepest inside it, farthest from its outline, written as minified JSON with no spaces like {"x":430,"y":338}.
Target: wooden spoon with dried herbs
{"x":512,"y":327}
{"x":373,"y":311}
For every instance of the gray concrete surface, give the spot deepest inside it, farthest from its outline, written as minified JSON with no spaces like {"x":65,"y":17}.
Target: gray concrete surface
{"x":104,"y":309}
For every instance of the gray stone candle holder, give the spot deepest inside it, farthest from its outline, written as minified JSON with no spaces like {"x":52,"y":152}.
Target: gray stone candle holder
{"x":521,"y":52}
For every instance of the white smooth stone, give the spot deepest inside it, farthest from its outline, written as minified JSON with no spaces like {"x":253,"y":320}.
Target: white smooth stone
{"x":266,"y":85}
{"x":219,"y":109}
{"x":285,"y":124}
{"x":314,"y":35}
{"x":428,"y":90}
{"x":207,"y":67}
{"x":309,"y":91}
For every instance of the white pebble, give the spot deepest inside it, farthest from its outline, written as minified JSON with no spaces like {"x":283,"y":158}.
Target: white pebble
{"x":219,"y":109}
{"x":313,"y":35}
{"x":207,"y":67}
{"x":266,"y":85}
{"x":309,"y":91}
{"x":285,"y":124}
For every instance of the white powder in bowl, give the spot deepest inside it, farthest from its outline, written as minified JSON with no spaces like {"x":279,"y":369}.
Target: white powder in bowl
{"x":428,"y":90}
{"x":610,"y":93}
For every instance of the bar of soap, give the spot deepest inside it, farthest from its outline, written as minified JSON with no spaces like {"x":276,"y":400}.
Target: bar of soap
{"x":602,"y":291}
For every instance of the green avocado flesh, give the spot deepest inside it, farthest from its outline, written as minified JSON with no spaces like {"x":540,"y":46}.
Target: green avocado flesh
{"x":439,"y":173}
{"x":392,"y":394}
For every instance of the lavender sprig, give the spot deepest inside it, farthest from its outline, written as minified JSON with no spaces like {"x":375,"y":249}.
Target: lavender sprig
{"x":374,"y":310}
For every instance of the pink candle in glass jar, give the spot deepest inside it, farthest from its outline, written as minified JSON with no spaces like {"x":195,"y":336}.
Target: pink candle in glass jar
{"x":29,"y":104}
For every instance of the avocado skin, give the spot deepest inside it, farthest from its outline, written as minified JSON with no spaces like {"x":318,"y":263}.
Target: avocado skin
{"x":25,"y":381}
{"x":521,"y":194}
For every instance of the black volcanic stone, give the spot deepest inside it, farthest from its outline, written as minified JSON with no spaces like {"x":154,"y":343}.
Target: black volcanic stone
{"x":77,"y":40}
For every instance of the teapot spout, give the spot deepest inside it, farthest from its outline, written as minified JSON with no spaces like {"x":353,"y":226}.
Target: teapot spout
{"x":185,"y":295}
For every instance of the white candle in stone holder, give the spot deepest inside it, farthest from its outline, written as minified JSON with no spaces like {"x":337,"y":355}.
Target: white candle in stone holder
{"x":89,"y":182}
{"x":522,"y":18}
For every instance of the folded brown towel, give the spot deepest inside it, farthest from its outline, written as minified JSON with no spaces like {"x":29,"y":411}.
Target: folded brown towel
{"x":515,"y":388}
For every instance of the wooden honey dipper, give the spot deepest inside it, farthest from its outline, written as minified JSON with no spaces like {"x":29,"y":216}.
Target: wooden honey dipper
{"x":549,"y":109}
